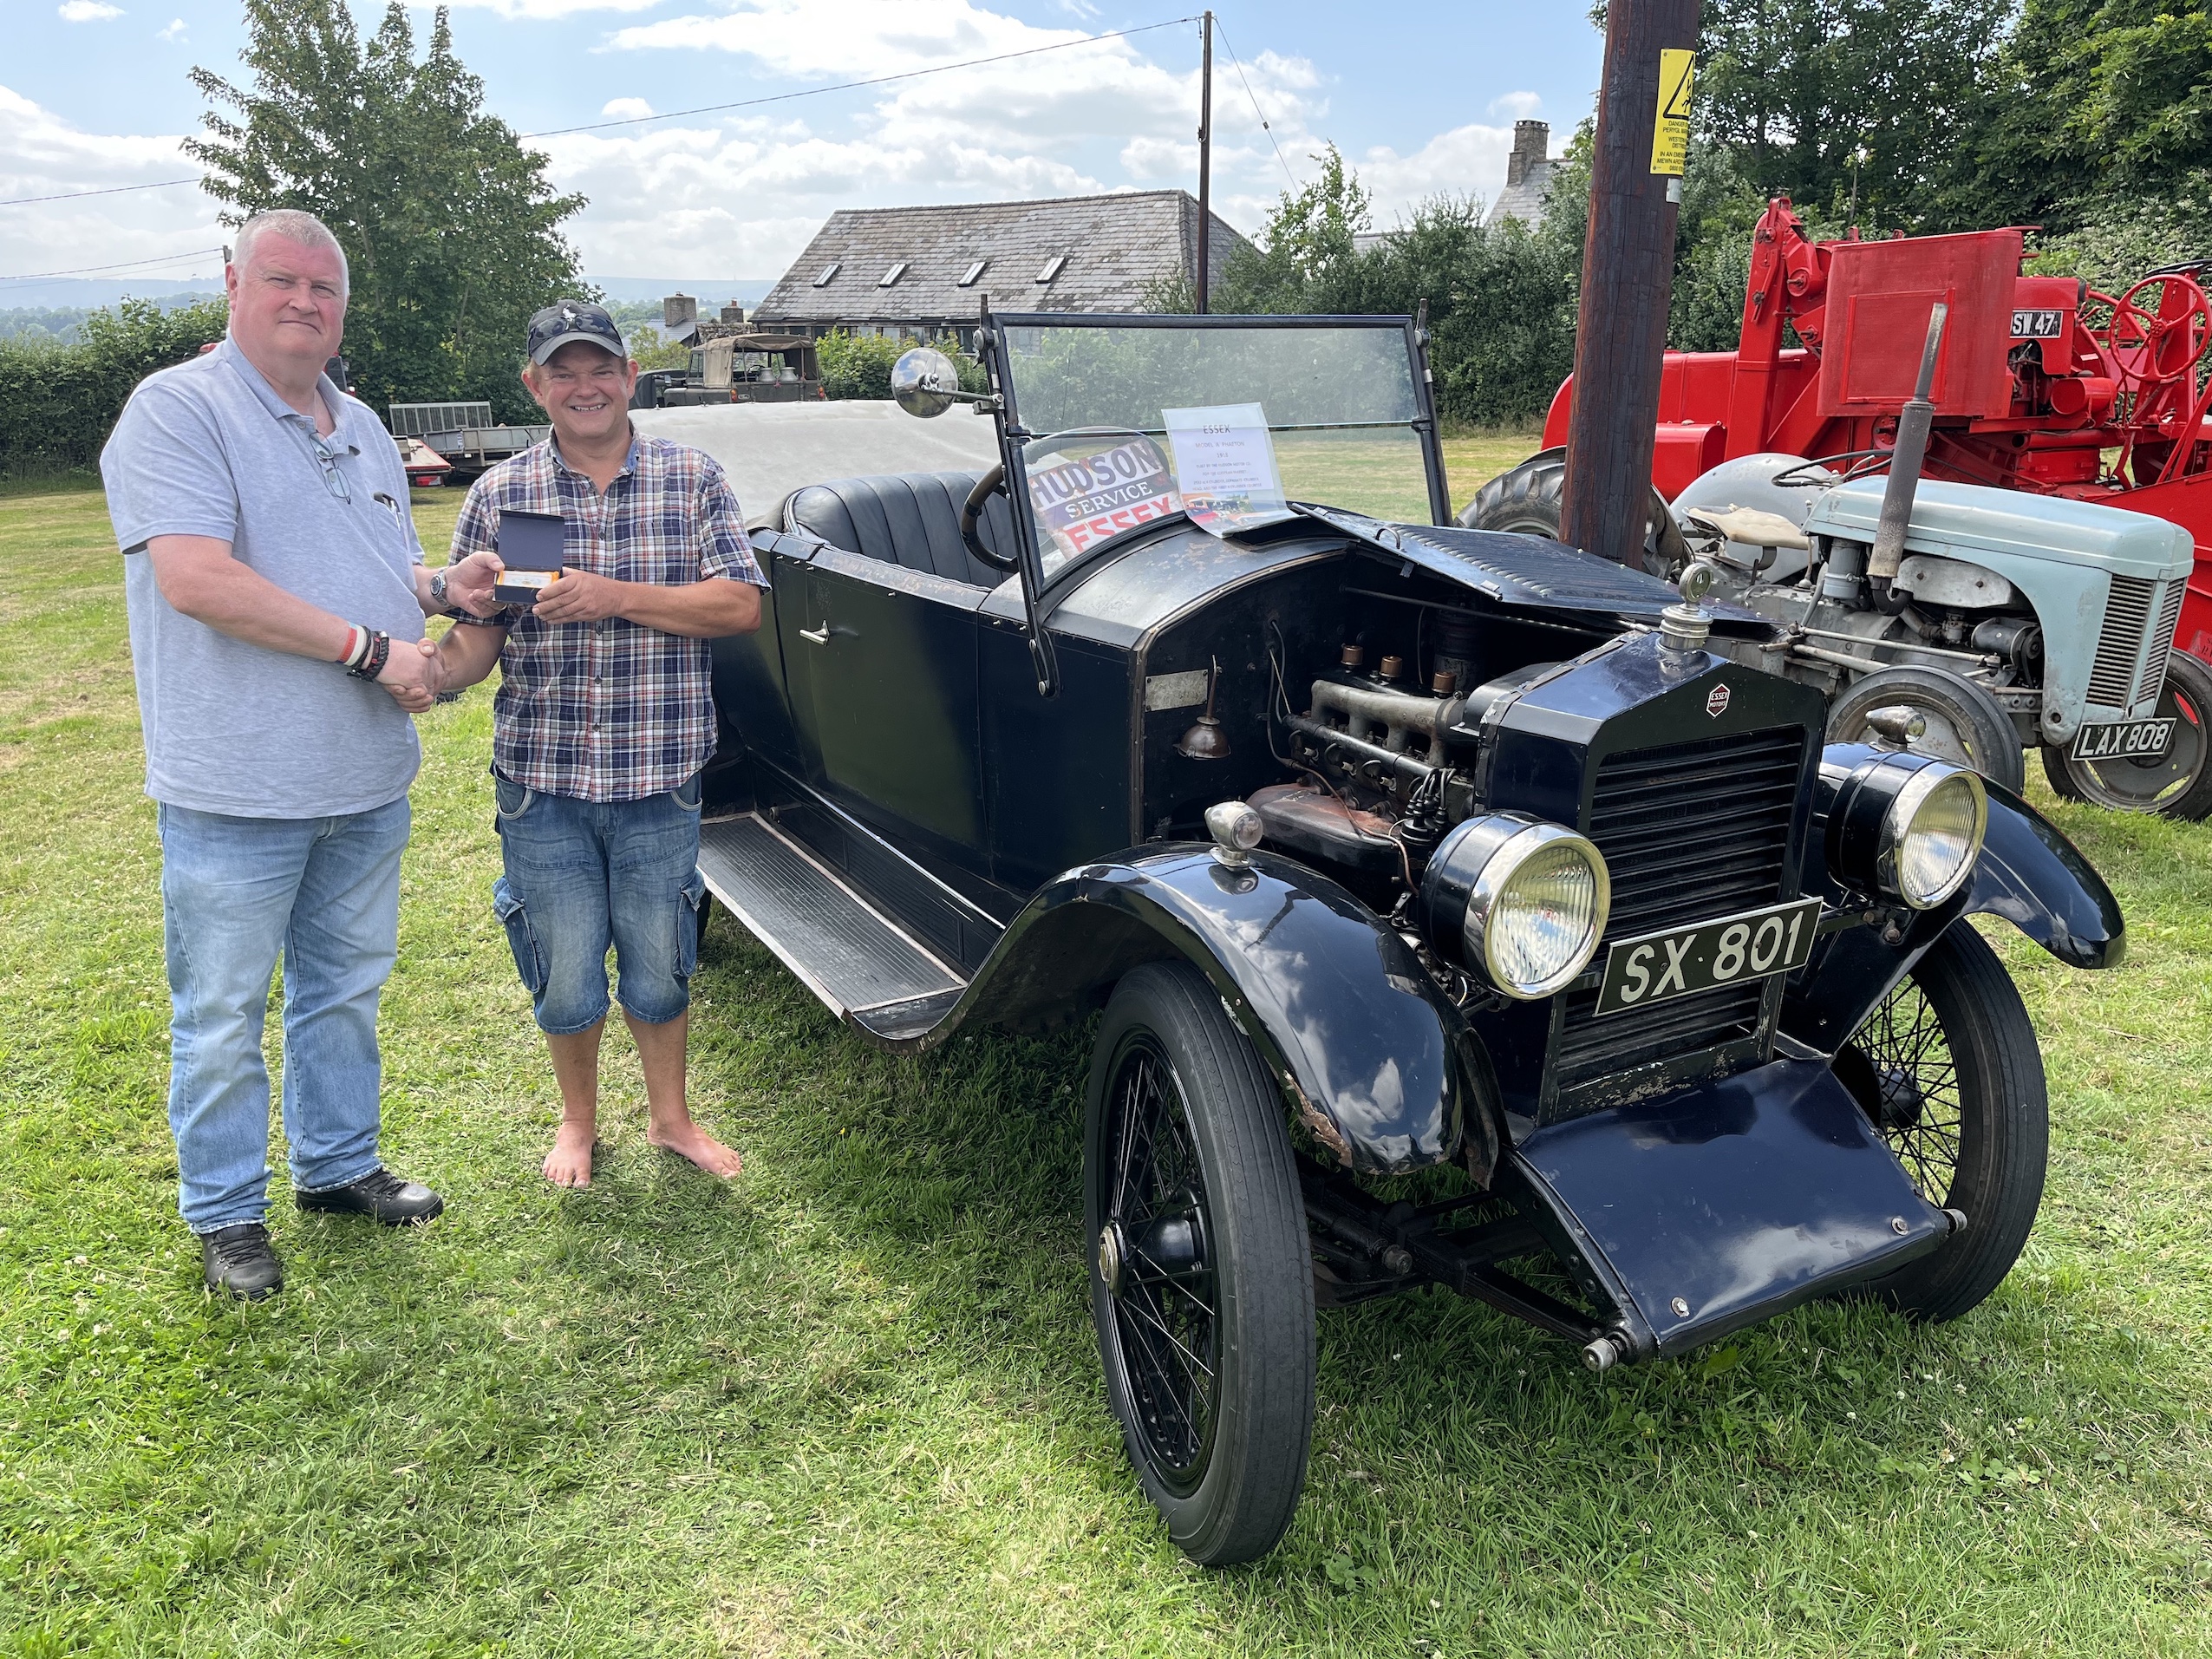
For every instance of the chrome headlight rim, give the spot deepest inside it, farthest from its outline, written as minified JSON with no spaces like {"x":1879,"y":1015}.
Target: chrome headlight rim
{"x":1897,"y":823}
{"x":1511,"y":857}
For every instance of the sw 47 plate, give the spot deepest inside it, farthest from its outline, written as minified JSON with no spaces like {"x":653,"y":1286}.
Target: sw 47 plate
{"x":2125,"y":740}
{"x":1682,"y":961}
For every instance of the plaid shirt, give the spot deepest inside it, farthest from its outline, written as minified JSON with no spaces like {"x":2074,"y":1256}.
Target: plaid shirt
{"x":609,"y":710}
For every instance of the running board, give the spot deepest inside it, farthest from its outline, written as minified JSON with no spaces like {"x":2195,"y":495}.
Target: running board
{"x":866,"y":968}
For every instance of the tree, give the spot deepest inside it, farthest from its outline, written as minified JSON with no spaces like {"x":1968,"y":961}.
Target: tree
{"x":1833,"y":102}
{"x":2096,"y":99}
{"x":450,"y":227}
{"x":58,"y":403}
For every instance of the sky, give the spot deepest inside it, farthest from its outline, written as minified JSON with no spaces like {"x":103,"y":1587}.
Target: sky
{"x":1419,"y":94}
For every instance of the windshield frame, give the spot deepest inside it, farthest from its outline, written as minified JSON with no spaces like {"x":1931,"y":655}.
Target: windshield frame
{"x":1013,"y":437}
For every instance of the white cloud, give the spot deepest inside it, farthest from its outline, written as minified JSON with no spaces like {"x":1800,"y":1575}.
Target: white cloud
{"x":545,"y":10}
{"x":1516,"y":105}
{"x":626,"y":108}
{"x":173,"y":33}
{"x":42,"y":155}
{"x":1050,"y":123}
{"x":87,"y":11}
{"x":1465,"y":159}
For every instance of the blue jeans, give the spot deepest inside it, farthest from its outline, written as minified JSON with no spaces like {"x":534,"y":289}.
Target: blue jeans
{"x":584,"y":875}
{"x":234,"y":892}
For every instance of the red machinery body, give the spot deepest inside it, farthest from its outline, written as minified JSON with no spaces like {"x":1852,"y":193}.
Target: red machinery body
{"x":2040,"y":377}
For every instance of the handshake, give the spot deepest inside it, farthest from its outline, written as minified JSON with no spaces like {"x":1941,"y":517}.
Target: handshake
{"x":416,"y":673}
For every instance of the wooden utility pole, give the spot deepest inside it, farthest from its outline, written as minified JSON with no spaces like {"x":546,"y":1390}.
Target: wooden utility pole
{"x":1627,"y":273}
{"x":1205,"y":159}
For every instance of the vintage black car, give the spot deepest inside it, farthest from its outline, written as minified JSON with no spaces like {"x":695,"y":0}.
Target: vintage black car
{"x":1457,"y":916}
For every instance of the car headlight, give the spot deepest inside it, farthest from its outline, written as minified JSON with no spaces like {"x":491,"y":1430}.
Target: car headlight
{"x":1519,"y":902}
{"x":1931,"y":835}
{"x":1904,"y":825}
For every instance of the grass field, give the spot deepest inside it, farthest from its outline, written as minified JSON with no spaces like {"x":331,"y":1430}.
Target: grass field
{"x":850,"y":1404}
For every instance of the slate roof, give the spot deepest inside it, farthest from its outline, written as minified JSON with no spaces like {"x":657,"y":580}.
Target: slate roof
{"x":1114,"y":246}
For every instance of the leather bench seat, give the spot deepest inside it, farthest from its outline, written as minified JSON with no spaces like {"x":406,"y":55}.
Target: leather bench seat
{"x":909,"y":518}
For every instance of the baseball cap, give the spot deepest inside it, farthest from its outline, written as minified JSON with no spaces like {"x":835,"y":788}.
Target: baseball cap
{"x":573,"y":319}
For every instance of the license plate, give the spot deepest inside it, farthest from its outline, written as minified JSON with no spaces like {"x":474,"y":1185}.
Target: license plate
{"x":1658,"y":967}
{"x":2125,"y":740}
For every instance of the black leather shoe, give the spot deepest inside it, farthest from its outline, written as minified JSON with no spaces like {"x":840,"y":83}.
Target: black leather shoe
{"x":380,"y":1196}
{"x":241,"y":1262}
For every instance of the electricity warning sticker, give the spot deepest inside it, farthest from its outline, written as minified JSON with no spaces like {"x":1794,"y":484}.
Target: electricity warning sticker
{"x":1670,"y":137}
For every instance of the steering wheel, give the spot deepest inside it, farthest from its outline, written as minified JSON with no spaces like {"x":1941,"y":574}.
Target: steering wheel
{"x":971,"y":511}
{"x":2151,"y":350}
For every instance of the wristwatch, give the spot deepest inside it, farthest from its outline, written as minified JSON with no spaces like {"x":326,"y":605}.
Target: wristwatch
{"x":438,"y":590}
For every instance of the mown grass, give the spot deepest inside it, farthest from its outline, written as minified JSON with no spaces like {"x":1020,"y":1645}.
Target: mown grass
{"x":850,"y":1404}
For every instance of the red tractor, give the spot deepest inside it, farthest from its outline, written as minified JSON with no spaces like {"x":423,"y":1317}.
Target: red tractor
{"x":2042,"y":385}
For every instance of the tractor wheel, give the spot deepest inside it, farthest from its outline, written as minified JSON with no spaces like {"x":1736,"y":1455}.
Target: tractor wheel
{"x":1529,"y":502}
{"x":2179,"y":783}
{"x":1966,"y":725}
{"x":1200,"y":1272}
{"x":1948,"y":1070}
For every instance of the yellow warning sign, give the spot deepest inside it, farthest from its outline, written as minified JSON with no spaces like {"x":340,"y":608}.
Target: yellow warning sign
{"x":1670,"y":136}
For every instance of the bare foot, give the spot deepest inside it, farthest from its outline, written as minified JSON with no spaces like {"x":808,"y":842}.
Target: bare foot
{"x":570,"y":1162}
{"x":688,"y":1140}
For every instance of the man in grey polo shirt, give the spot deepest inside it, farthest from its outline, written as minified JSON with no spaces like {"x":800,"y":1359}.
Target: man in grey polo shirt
{"x":277,"y":594}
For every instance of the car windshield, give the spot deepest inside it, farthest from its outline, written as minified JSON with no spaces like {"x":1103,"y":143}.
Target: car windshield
{"x":1225,"y":422}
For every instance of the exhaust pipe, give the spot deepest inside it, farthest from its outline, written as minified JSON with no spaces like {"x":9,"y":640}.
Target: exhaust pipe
{"x":1905,"y":458}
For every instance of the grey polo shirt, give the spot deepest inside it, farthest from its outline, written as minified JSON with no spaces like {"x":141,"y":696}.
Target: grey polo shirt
{"x":207,"y":449}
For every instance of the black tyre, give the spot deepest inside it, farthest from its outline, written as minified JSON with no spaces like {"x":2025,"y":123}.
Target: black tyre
{"x":1201,"y":1281}
{"x":1949,"y":1069}
{"x":1530,"y":499}
{"x":2178,"y":783}
{"x":1966,"y":725}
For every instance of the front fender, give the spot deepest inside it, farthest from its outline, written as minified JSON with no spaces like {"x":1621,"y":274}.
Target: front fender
{"x":2029,"y":873}
{"x":1385,"y":1071}
{"x":2033,"y":877}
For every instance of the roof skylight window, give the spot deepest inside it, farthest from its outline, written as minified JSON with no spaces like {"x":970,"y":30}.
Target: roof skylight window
{"x":889,"y":278}
{"x":1051,"y":267}
{"x":974,"y":271}
{"x":829,"y":273}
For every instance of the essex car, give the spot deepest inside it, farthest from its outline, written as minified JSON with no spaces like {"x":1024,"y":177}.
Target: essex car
{"x":1453,"y":912}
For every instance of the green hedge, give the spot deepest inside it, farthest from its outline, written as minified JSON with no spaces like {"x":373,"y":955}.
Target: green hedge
{"x":58,"y":403}
{"x":858,"y":365}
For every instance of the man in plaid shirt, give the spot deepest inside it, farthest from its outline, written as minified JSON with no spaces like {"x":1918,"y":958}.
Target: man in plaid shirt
{"x":605,"y":718}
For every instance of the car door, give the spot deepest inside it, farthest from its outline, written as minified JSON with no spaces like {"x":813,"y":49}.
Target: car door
{"x":882,"y":666}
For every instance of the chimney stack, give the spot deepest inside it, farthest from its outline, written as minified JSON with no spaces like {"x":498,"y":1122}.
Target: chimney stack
{"x":1532,"y":142}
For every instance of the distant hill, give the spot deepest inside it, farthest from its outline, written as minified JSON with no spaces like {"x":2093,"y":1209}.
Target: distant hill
{"x":707,"y":290}
{"x":53,"y":309}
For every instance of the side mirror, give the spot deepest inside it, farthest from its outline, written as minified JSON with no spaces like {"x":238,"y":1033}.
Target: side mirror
{"x":925,"y":384}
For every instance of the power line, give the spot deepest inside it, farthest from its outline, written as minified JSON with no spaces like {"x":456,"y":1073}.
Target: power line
{"x":1265,"y":127}
{"x":112,"y":190}
{"x":873,"y":81}
{"x":126,"y":265}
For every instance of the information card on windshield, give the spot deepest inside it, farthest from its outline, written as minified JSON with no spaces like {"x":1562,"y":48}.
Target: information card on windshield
{"x":1224,"y":468}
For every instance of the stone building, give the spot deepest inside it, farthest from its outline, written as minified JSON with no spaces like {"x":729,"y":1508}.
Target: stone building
{"x":1527,"y":175}
{"x":921,"y":271}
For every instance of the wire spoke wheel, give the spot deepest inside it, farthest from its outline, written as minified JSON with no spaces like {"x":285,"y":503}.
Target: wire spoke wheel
{"x":1948,"y":1070}
{"x":1163,"y":1308}
{"x":1900,"y":1067}
{"x":1201,"y":1279}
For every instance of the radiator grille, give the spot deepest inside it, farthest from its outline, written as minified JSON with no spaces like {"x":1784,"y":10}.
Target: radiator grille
{"x":2162,"y":641}
{"x":1689,"y":831}
{"x":2119,"y":642}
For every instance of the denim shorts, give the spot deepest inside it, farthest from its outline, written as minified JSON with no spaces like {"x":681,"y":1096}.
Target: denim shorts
{"x":582,"y":876}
